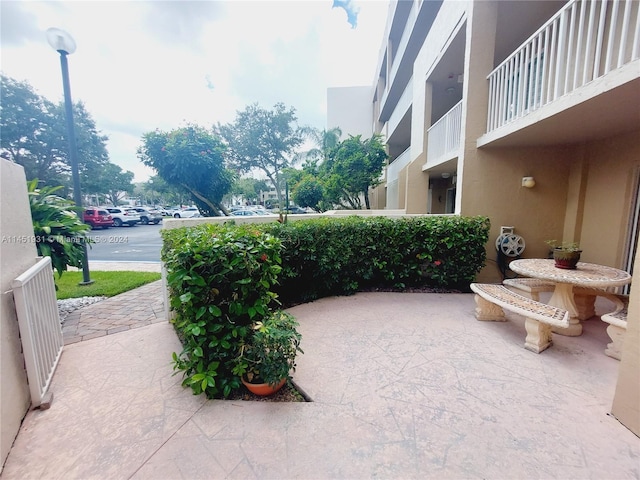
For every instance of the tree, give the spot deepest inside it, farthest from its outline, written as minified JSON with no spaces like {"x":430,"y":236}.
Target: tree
{"x":159,"y":190}
{"x":112,"y":182}
{"x":93,"y":156}
{"x":33,"y":134}
{"x":324,"y":141}
{"x":308,"y":192}
{"x":353,"y":166}
{"x":263,"y":139}
{"x":28,"y":133}
{"x":249,"y":188}
{"x":190,"y":158}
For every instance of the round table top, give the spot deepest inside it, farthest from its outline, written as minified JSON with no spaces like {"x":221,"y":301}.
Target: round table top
{"x":585,"y":274}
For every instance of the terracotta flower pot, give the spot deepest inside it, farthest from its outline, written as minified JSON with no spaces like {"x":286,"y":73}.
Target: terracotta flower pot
{"x":566,"y":259}
{"x":263,"y":389}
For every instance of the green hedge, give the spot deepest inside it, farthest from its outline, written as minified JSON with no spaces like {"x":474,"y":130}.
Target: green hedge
{"x":223,"y":277}
{"x":338,"y":256}
{"x":220,"y":280}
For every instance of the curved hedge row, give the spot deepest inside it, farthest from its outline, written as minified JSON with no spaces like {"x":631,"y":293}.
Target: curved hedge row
{"x":339,"y":256}
{"x":223,"y":277}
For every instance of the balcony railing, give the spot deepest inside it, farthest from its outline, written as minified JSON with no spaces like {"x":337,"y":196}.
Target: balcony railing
{"x":401,"y":161}
{"x":585,"y":40}
{"x":443,"y":137}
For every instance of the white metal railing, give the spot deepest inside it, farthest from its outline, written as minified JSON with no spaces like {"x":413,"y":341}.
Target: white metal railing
{"x":585,"y":40}
{"x":401,"y":108}
{"x":443,"y":137}
{"x":40,"y":330}
{"x":401,"y":161}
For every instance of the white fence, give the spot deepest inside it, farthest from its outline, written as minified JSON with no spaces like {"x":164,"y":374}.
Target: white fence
{"x":585,"y":40}
{"x":443,"y":137}
{"x":40,"y":330}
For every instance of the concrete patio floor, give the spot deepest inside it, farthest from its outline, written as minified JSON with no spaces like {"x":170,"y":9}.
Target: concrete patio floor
{"x":404,"y":385}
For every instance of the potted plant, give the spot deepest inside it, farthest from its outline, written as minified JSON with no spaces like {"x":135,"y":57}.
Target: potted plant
{"x":268,"y":356}
{"x":565,"y":254}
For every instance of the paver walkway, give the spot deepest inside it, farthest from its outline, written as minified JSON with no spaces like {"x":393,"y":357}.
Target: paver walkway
{"x":136,"y":308}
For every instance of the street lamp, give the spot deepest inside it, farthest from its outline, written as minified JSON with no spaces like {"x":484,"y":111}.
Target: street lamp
{"x":64,"y":44}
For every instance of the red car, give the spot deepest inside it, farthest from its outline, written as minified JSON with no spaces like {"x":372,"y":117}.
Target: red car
{"x":97,"y":217}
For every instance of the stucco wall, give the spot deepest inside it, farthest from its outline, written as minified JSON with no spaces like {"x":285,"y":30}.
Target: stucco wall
{"x":417,"y":187}
{"x":626,"y":402}
{"x":16,"y":256}
{"x":613,"y":164}
{"x":493,"y":187}
{"x":351,"y":109}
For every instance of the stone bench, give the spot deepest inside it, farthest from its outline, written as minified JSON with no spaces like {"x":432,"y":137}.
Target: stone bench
{"x":583,"y":297}
{"x":617,"y":328}
{"x":539,"y":317}
{"x":531,"y":286}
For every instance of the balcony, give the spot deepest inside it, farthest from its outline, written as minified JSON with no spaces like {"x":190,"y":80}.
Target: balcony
{"x":393,"y":170}
{"x":583,"y":42}
{"x":443,"y":137}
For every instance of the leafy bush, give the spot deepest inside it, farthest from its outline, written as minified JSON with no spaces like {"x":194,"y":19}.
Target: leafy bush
{"x":269,"y":354}
{"x":338,"y":256}
{"x":58,"y":231}
{"x":221,"y":281}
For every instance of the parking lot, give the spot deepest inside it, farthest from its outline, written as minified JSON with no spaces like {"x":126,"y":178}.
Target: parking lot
{"x":141,"y":243}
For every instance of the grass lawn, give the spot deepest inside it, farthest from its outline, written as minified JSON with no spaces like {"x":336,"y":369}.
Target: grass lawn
{"x":105,"y":284}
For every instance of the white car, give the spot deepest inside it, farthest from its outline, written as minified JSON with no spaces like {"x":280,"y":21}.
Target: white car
{"x":261,"y":210}
{"x":191,"y":212}
{"x":244,"y":212}
{"x":123,"y":216}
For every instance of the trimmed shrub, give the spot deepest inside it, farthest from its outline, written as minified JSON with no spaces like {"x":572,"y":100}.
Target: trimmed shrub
{"x":340,"y":256}
{"x":223,"y":279}
{"x":220,"y":281}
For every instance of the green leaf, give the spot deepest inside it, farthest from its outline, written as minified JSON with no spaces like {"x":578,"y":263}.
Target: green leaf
{"x":186,"y":297}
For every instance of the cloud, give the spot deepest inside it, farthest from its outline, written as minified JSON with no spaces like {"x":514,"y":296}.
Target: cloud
{"x":180,"y":22}
{"x":145,"y":65}
{"x":17,"y":26}
{"x":350,"y":9}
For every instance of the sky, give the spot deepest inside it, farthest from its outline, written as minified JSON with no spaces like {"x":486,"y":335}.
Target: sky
{"x":142,"y":65}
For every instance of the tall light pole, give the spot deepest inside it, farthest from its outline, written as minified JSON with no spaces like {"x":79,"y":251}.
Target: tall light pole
{"x":64,"y":44}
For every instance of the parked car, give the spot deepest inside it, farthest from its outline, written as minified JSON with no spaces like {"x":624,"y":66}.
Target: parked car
{"x":97,"y":218}
{"x":148,"y":216}
{"x":244,"y":212}
{"x":261,"y":210}
{"x":168,"y":211}
{"x":294,"y":210}
{"x":123,"y":216}
{"x":190,"y":212}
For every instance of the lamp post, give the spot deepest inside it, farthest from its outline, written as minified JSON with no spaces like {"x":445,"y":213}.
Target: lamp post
{"x":64,"y":44}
